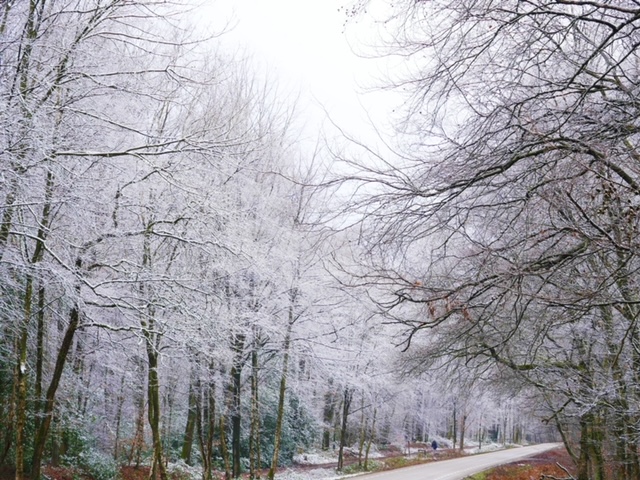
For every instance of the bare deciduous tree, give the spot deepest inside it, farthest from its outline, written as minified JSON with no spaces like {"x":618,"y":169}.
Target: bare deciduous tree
{"x":508,"y":224}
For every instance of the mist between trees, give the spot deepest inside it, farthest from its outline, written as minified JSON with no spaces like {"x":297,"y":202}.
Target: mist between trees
{"x":174,"y":287}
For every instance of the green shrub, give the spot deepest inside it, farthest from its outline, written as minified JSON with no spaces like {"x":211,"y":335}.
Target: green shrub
{"x":97,"y":465}
{"x":299,"y":431}
{"x":351,"y":469}
{"x":179,"y":470}
{"x":478,"y":476}
{"x":397,"y":462}
{"x":374,"y":466}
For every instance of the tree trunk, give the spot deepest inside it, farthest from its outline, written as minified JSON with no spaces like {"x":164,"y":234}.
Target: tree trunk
{"x":236,"y":424}
{"x":30,"y":35}
{"x":7,"y":217}
{"x":38,"y":254}
{"x":21,"y":382}
{"x":254,"y":435}
{"x":363,"y":429}
{"x":583,"y":461}
{"x":328,"y":413}
{"x":591,"y":460}
{"x":632,"y":462}
{"x":346,"y":404}
{"x":7,"y":422}
{"x":116,"y":443}
{"x":152,"y":339}
{"x":191,"y":421}
{"x":153,"y":393}
{"x":43,"y":430}
{"x":56,"y":448}
{"x":40,"y":335}
{"x":167,"y":426}
{"x":372,"y":434}
{"x":463,"y":427}
{"x":283,"y":388}
{"x":455,"y":425}
{"x":224,"y":449}
{"x":205,"y":421}
{"x":138,"y":439}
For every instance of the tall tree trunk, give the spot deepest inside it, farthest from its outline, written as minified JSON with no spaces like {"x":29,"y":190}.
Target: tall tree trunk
{"x":206,"y":423}
{"x":137,"y":444}
{"x":455,"y":424}
{"x":583,"y":461}
{"x":328,"y":413}
{"x":591,"y":461}
{"x":29,"y":35}
{"x":21,"y":371}
{"x":224,"y":449}
{"x":120,"y":400}
{"x":56,"y":448}
{"x":152,"y":337}
{"x":597,"y":455}
{"x":153,"y":394}
{"x":463,"y":427}
{"x":372,"y":434}
{"x":346,"y":404}
{"x":364,"y":420}
{"x":282,"y":392}
{"x":43,"y":431}
{"x":67,"y":341}
{"x":168,"y":425}
{"x":7,"y":216}
{"x":236,"y":423}
{"x":40,"y":335}
{"x":21,"y":382}
{"x":632,"y":462}
{"x":191,"y":420}
{"x":254,"y":434}
{"x":7,"y":417}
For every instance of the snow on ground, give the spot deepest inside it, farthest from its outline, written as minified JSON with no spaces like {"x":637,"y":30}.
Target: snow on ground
{"x":315,"y":458}
{"x":490,"y":447}
{"x":321,"y":457}
{"x":473,"y":447}
{"x":316,"y":474}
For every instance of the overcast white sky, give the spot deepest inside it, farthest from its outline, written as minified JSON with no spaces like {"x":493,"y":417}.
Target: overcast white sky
{"x":307,"y":47}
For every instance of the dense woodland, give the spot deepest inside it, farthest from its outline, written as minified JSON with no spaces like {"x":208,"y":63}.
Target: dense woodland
{"x":183,"y":281}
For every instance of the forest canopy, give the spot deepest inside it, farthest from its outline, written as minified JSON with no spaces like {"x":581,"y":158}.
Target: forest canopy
{"x":181,"y":281}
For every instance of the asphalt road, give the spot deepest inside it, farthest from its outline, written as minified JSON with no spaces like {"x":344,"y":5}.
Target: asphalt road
{"x":459,"y":468}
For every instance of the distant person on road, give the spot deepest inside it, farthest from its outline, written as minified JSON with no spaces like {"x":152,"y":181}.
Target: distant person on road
{"x":434,"y":445}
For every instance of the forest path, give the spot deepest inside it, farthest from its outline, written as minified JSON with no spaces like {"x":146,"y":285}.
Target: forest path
{"x":459,"y":468}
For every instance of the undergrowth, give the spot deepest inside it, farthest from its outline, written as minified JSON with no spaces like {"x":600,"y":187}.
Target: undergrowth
{"x":534,"y":468}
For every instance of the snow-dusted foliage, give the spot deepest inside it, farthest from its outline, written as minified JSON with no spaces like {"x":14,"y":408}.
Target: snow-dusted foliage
{"x":503,"y":233}
{"x":169,"y":290}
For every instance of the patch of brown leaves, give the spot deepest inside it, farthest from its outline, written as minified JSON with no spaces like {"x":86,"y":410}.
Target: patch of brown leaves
{"x":135,"y":473}
{"x":62,"y":473}
{"x":532,"y":468}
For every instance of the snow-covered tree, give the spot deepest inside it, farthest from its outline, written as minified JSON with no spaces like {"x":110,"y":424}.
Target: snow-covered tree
{"x":506,"y":224}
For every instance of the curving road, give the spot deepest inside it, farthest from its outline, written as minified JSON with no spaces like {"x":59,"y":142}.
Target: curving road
{"x":459,"y":468}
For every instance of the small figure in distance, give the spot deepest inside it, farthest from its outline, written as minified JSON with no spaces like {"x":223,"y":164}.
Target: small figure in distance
{"x":434,"y":445}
